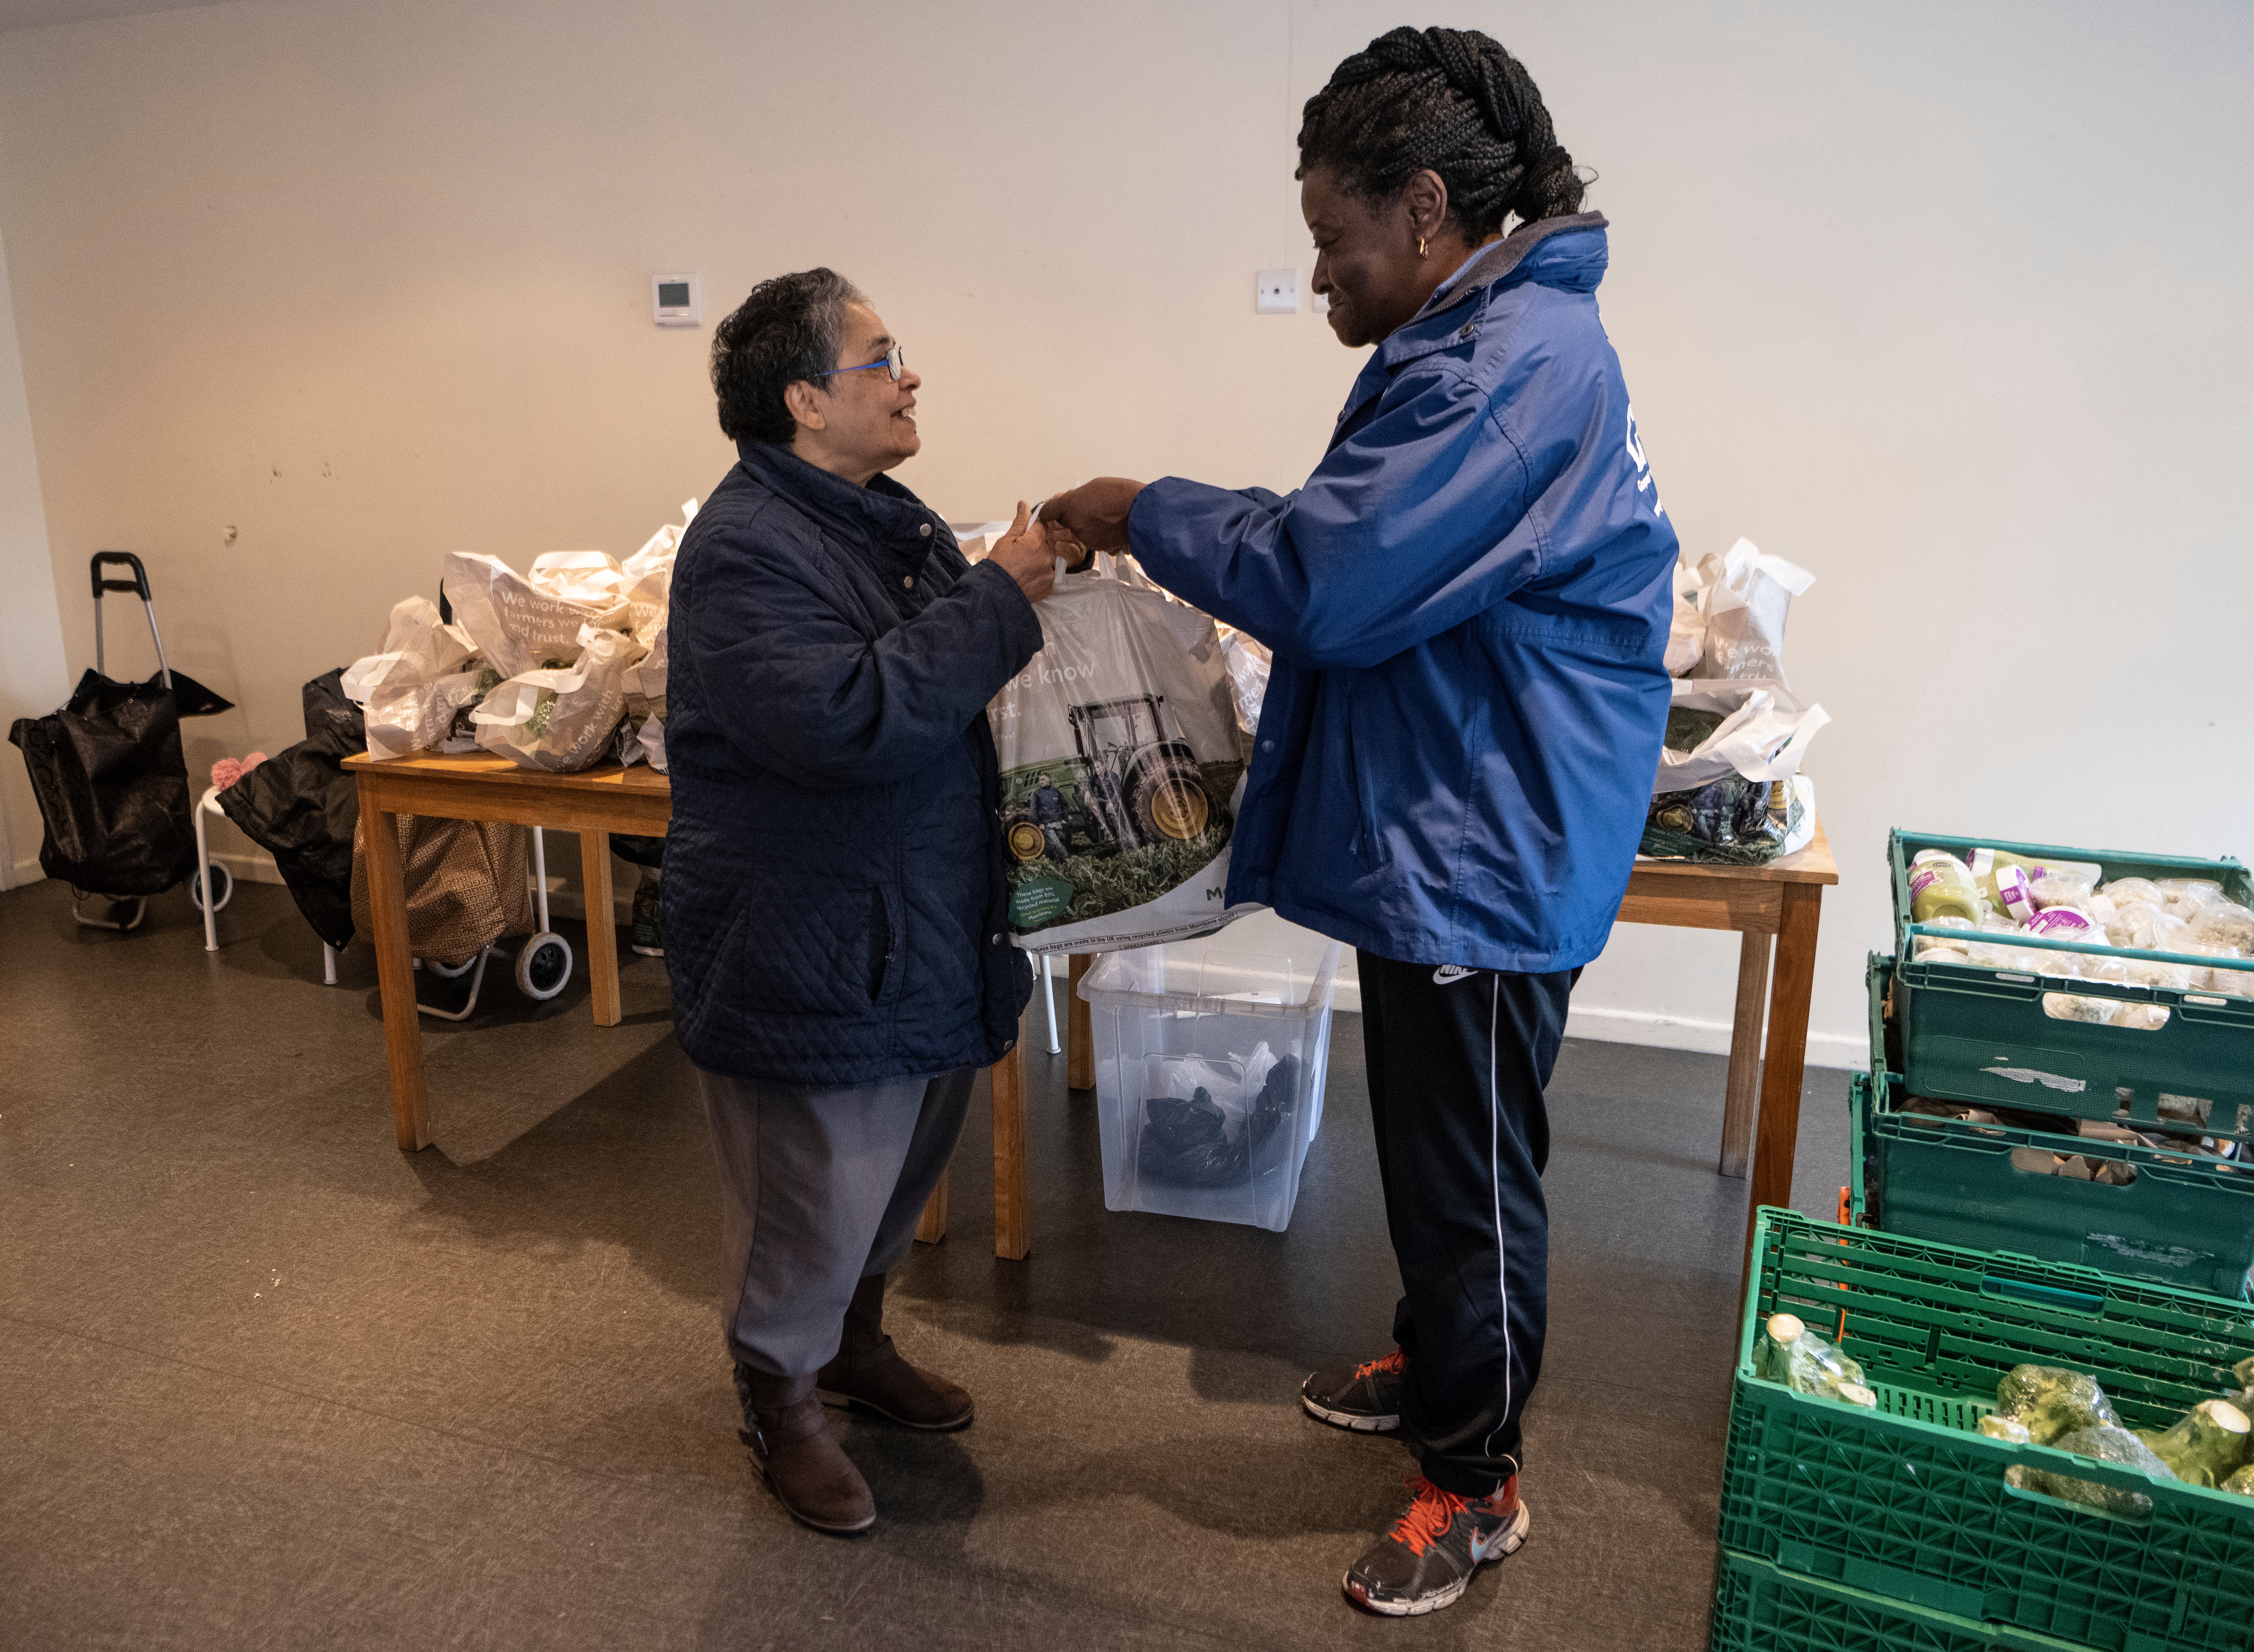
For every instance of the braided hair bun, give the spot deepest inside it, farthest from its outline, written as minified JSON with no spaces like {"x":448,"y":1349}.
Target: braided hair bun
{"x":1451,"y":100}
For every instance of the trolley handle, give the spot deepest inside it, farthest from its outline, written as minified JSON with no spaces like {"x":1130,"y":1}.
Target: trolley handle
{"x":139,"y":585}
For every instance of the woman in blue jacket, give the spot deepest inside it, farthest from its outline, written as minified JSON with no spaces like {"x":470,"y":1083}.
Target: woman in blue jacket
{"x":1468,"y":606}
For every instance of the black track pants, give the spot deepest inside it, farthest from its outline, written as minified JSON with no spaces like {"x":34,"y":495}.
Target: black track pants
{"x":1456,"y":1068}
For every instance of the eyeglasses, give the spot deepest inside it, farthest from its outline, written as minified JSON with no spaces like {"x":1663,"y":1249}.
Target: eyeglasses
{"x":893,"y":362}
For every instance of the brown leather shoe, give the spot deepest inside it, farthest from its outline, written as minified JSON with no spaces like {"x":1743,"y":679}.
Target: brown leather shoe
{"x":869,"y":1372}
{"x":790,"y":1440}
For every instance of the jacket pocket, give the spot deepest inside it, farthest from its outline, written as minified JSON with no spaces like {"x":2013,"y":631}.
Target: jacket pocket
{"x":1364,"y":847}
{"x":819,"y":951}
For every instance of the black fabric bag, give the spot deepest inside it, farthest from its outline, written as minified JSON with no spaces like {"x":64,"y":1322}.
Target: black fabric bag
{"x":300,"y":807}
{"x":111,"y":783}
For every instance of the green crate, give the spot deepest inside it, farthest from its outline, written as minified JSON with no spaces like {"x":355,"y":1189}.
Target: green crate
{"x":1975,"y":1035}
{"x":1759,"y":1608}
{"x":2188,"y":1224}
{"x":2187,"y":1220}
{"x":1909,"y":1502}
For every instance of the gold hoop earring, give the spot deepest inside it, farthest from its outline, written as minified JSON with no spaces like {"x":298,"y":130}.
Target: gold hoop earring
{"x":1420,"y":246}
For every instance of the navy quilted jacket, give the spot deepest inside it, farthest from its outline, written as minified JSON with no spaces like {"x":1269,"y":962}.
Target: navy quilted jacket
{"x":833,"y":890}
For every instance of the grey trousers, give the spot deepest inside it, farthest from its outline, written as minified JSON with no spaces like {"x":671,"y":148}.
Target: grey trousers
{"x":819,"y":1189}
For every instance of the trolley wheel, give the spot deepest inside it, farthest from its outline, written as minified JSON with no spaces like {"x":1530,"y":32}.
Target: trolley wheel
{"x":451,"y":972}
{"x":544,"y":966}
{"x":222,"y":880}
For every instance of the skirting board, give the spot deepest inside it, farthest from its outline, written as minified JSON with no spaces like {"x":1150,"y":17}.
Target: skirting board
{"x":1707,"y":1038}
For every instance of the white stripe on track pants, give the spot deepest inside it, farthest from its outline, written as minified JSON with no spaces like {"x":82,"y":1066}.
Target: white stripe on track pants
{"x":1458,"y":1064}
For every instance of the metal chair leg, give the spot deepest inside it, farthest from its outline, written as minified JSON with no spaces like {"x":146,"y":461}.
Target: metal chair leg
{"x":203,"y":863}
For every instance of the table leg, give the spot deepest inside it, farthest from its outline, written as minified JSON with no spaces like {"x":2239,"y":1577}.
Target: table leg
{"x":1741,"y":1099}
{"x":602,"y":928}
{"x":1079,"y":1043}
{"x":395,"y":974}
{"x":1782,"y":1066}
{"x":931,"y":1227}
{"x":1013,"y":1216}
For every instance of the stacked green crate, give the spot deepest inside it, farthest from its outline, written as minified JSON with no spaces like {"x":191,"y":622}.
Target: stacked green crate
{"x":1981,"y":1035}
{"x":1847,"y":1528}
{"x":2187,"y":1219}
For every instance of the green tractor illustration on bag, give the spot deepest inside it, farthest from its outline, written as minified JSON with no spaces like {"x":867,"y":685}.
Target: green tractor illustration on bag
{"x":1133,"y":784}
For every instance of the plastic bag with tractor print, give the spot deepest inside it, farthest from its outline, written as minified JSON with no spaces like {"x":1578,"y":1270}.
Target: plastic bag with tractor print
{"x":1122,"y":763}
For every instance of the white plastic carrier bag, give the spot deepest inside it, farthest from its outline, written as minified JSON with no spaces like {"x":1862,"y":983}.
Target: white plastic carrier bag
{"x":520,"y":624}
{"x":1756,"y":730}
{"x":1121,"y":762}
{"x":641,"y":736}
{"x":649,"y":598}
{"x":647,"y":580}
{"x":1745,"y":599}
{"x":561,"y":719}
{"x":412,"y":690}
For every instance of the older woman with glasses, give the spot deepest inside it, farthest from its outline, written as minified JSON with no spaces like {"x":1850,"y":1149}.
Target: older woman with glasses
{"x":833,"y":890}
{"x":1469,"y":604}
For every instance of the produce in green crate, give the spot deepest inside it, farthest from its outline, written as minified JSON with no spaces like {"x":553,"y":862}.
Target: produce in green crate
{"x":2004,"y":1429}
{"x":2242,"y":1482}
{"x":2110,"y":1444}
{"x":2243,"y":1373}
{"x":1791,"y":1354}
{"x":2052,"y":1401}
{"x":2205,"y":1446}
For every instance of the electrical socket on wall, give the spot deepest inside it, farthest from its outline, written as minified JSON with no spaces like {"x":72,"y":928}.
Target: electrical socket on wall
{"x":1275,"y":292}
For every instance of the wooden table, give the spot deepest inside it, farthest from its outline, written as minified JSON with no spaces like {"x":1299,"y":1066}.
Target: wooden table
{"x":477,"y":786}
{"x":1779,"y":903}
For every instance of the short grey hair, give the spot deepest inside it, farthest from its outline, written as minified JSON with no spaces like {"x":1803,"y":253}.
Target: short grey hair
{"x":790,"y":330}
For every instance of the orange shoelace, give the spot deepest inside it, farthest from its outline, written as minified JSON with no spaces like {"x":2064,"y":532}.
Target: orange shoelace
{"x":1429,"y":1516}
{"x":1396,"y":1360}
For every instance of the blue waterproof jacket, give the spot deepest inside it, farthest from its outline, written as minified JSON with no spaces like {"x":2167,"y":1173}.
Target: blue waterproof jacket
{"x":834,"y":902}
{"x":1469,"y":604}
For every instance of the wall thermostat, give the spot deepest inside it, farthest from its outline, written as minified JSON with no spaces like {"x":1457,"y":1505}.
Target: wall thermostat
{"x":674,"y":300}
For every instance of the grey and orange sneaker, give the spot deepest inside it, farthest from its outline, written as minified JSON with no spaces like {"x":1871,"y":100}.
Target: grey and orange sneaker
{"x":1366,"y":1399}
{"x":1425,"y":1562}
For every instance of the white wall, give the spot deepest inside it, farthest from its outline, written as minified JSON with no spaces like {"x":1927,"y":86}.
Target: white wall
{"x":1948,"y":304}
{"x":32,"y":678}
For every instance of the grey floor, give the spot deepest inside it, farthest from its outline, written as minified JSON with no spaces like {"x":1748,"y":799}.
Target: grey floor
{"x":267,"y":1382}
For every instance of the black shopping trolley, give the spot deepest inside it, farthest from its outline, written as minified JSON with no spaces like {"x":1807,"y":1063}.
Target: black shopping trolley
{"x":111,"y":783}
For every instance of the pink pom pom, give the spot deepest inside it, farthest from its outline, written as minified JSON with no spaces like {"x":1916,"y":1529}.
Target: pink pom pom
{"x":228,"y":770}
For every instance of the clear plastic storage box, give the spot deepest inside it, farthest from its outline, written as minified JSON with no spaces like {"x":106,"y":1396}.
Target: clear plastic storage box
{"x":1209,"y":1065}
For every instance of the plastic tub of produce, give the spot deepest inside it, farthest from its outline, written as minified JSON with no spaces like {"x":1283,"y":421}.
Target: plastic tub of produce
{"x":1910,"y":1502}
{"x":1210,"y":1067}
{"x":2181,"y":1215}
{"x":2025,"y":1036}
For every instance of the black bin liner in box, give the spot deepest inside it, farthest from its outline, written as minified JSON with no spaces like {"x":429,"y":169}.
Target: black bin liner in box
{"x":1188,"y":1144}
